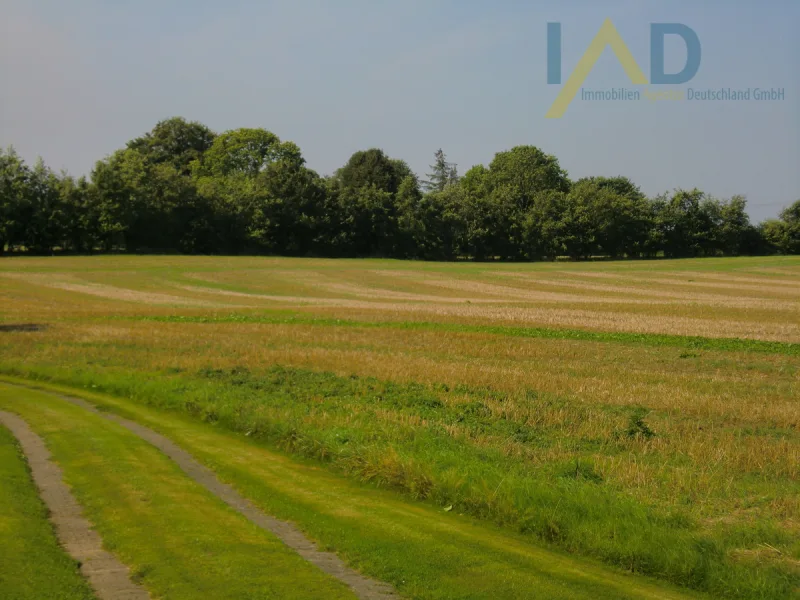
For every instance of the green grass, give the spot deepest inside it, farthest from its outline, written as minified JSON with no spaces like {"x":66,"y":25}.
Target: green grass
{"x":646,"y":339}
{"x":332,"y":419}
{"x":32,"y":564}
{"x":425,"y":552}
{"x":181,"y":542}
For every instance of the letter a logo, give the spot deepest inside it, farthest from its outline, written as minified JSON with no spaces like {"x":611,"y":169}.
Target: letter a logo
{"x":607,"y":36}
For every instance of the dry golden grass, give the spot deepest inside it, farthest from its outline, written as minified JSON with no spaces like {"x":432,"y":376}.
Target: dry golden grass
{"x":658,"y":296}
{"x":71,"y":283}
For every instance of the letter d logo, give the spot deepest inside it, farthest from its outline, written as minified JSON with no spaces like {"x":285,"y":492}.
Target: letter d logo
{"x":658,"y":31}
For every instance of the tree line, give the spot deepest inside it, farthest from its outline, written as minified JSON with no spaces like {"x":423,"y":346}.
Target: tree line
{"x":183,"y":188}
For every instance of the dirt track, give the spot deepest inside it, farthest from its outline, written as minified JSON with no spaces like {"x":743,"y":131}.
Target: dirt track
{"x":363,"y":587}
{"x":109,"y":577}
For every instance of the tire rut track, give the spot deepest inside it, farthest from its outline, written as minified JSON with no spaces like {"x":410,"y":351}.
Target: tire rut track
{"x":109,"y":578}
{"x":364,"y":587}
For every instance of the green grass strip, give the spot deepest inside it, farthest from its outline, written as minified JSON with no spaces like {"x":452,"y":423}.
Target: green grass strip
{"x":647,"y":339}
{"x":32,"y":564}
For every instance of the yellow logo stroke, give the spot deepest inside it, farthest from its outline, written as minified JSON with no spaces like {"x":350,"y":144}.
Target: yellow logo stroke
{"x":607,"y":36}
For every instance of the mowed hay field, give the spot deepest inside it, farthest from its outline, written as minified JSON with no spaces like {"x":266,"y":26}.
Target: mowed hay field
{"x":646,"y":414}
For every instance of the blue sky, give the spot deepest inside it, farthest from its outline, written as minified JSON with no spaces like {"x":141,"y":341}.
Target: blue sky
{"x":81,"y":78}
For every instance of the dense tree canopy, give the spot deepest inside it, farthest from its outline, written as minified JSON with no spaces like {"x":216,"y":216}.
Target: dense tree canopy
{"x":183,"y":188}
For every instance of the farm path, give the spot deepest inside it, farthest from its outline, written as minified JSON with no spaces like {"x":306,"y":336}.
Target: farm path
{"x":107,"y":575}
{"x":363,"y":587}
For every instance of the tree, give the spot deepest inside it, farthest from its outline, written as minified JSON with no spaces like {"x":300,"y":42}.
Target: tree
{"x":620,"y":185}
{"x":526,"y":171}
{"x":289,"y":200}
{"x":251,"y":180}
{"x":411,"y":220}
{"x":620,"y":214}
{"x":246,"y":152}
{"x":80,"y":205}
{"x":486,"y":217}
{"x":442,"y":173}
{"x":776,"y":235}
{"x":790,"y":216}
{"x":42,"y":217}
{"x":149,"y":205}
{"x":181,"y":187}
{"x":368,"y":221}
{"x":116,"y":199}
{"x":175,"y":141}
{"x":366,"y":192}
{"x":14,"y":196}
{"x":372,"y":167}
{"x":261,"y":194}
{"x":453,"y":177}
{"x":735,"y":231}
{"x":681,"y":223}
{"x":544,"y":230}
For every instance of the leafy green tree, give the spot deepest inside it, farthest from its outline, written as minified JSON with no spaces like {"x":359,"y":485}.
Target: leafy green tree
{"x":526,"y":171}
{"x":252,"y":181}
{"x":116,"y":200}
{"x":486,"y":216}
{"x":781,"y":236}
{"x":175,"y":141}
{"x":631,"y":215}
{"x":367,"y":168}
{"x":791,"y":217}
{"x":735,"y":232}
{"x":621,"y":185}
{"x":181,"y":187}
{"x":366,"y":192}
{"x":245,"y":152}
{"x":368,"y":225}
{"x":290,"y":199}
{"x":441,"y":220}
{"x":791,"y":214}
{"x":412,"y":221}
{"x":497,"y":200}
{"x":588,"y":220}
{"x":682,"y":224}
{"x":43,"y":218}
{"x":543,"y":227}
{"x":80,"y":205}
{"x":146,"y":205}
{"x":146,"y":197}
{"x":262,"y":195}
{"x":14,"y":196}
{"x":775,"y":233}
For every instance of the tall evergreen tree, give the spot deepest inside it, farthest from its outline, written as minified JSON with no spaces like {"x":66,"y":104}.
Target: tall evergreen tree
{"x":442,"y":173}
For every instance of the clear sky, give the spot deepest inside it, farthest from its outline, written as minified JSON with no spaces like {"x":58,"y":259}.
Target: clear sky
{"x":80,"y":78}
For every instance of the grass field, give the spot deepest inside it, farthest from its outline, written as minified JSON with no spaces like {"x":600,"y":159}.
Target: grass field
{"x":32,"y":566}
{"x":643,"y":414}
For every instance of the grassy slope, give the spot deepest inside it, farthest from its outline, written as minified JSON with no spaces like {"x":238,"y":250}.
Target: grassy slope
{"x":32,"y":565}
{"x":425,"y":552}
{"x":180,"y":541}
{"x":565,"y":503}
